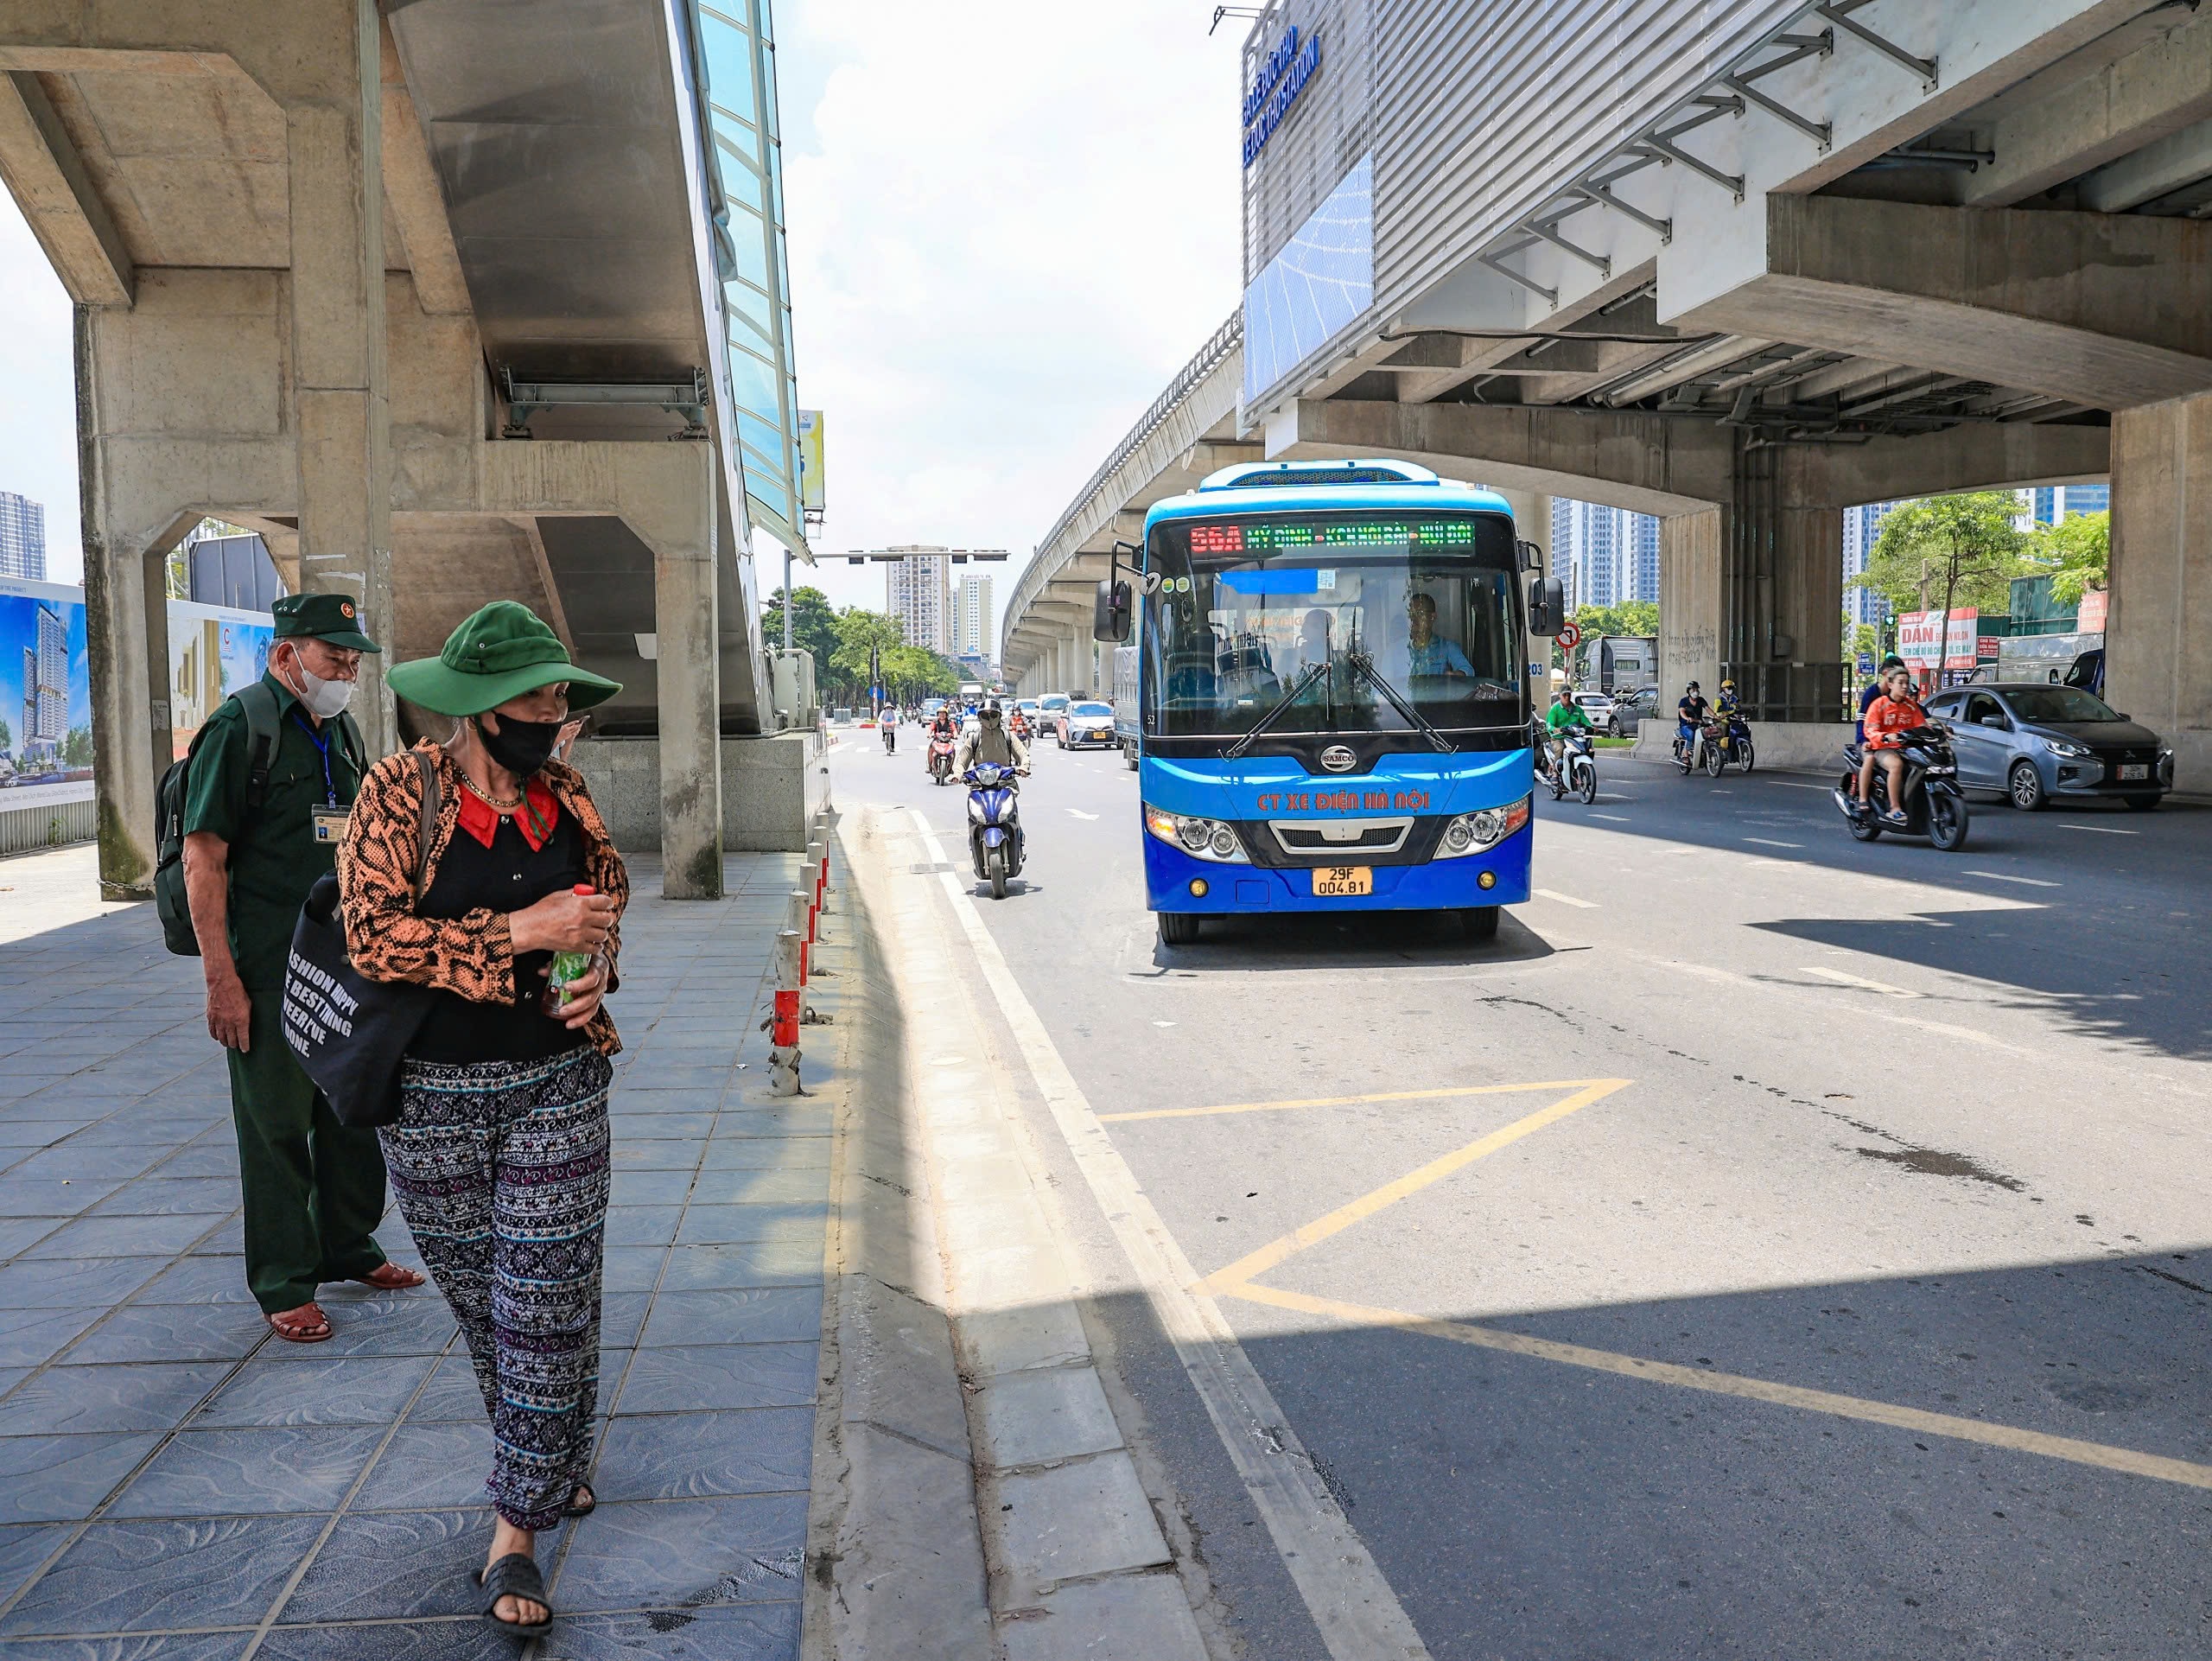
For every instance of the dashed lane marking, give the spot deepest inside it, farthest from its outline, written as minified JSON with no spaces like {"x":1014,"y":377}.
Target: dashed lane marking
{"x":1567,"y":900}
{"x":2101,"y":829}
{"x":1080,"y":814}
{"x":2029,"y":882}
{"x":1617,"y":818}
{"x":1792,"y":784}
{"x":1341,"y":1101}
{"x":1860,"y":981}
{"x":1768,"y":842}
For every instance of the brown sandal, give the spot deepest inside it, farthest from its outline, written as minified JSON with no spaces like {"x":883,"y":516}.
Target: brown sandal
{"x":305,"y":1324}
{"x":389,"y":1277}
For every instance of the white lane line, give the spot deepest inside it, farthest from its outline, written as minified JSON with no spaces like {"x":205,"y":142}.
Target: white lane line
{"x":1768,"y":842}
{"x":1080,"y":814}
{"x":2030,"y":881}
{"x":1860,"y":981}
{"x":1617,"y":818}
{"x":1567,"y":900}
{"x":1359,"y":1616}
{"x":2101,"y":829}
{"x":1792,"y":784}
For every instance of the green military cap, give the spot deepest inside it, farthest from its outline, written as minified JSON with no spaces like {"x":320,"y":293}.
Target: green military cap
{"x":332,"y":617}
{"x":498,"y":653}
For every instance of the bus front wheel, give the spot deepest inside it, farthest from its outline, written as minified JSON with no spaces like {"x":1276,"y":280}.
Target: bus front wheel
{"x":1480,"y":922}
{"x":1177,"y":927}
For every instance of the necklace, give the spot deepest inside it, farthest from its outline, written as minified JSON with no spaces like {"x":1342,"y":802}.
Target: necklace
{"x":490,"y":800}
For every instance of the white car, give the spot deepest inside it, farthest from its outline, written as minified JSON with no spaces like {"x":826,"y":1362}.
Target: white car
{"x":1081,"y":724}
{"x":1598,"y":708}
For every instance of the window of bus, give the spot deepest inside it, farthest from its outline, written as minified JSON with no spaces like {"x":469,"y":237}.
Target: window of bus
{"x":1327,"y":614}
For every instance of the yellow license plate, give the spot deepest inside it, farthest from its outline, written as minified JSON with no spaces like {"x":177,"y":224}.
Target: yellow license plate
{"x":1342,"y":881}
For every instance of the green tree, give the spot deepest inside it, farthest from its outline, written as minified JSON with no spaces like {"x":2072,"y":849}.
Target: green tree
{"x":77,"y":747}
{"x":859,"y":630}
{"x":6,"y":737}
{"x":814,"y":624}
{"x":2077,"y":554}
{"x":1945,"y":552}
{"x":911,"y":672}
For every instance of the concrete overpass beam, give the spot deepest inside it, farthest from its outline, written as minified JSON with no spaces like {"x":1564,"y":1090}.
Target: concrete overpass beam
{"x":2101,"y":310}
{"x":2158,"y":635}
{"x":47,"y":178}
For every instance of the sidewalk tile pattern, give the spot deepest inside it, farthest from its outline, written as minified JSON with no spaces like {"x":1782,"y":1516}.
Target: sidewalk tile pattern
{"x":175,"y":1482}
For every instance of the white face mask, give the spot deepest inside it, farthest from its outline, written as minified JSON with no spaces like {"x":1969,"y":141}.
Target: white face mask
{"x":324,"y":698}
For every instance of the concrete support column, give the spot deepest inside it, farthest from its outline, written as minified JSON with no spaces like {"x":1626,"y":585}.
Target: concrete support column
{"x":1532,"y":522}
{"x":2159,"y":633}
{"x":1751,"y":590}
{"x":688,"y":667}
{"x":334,"y":148}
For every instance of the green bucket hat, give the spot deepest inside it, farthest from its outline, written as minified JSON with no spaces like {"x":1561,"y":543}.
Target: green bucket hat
{"x":498,"y":653}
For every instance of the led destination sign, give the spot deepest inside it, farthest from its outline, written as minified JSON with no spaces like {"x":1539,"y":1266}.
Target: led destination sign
{"x":1240,"y":537}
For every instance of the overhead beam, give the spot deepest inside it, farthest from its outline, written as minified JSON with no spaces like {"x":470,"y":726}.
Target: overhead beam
{"x":2101,"y":310}
{"x":2154,"y":91}
{"x":48,"y":180}
{"x":418,"y":205}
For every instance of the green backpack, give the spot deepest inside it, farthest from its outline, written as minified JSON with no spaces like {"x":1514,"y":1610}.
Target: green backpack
{"x":259,"y":704}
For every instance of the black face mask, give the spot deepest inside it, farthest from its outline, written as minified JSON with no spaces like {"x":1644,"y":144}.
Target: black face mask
{"x":521,"y":747}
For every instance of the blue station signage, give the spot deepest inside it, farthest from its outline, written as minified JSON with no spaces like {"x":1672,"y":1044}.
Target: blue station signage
{"x":1282,"y":77}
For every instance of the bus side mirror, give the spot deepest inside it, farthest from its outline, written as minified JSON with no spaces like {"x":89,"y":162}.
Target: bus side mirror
{"x":1110,"y":614}
{"x":1546,"y":605}
{"x":1532,"y":558}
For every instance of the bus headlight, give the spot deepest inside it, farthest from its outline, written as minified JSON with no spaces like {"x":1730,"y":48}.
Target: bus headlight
{"x":1481,"y":831}
{"x":1209,"y":839}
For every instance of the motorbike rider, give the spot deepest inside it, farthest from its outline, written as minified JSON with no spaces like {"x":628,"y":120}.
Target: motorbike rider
{"x":990,"y":742}
{"x":1868,"y":694}
{"x":1689,"y":718}
{"x":887,"y":718}
{"x":1730,"y":710}
{"x":1564,"y":714}
{"x":1888,"y":719}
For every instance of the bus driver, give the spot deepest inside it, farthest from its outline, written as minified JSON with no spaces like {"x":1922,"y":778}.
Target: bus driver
{"x":1428,"y":653}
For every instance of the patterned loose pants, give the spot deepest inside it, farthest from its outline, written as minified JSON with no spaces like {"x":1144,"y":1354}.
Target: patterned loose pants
{"x":500,"y":1169}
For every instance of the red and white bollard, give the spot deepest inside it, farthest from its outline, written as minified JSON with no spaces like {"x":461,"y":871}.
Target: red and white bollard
{"x":817,"y":866}
{"x":782,"y":1033}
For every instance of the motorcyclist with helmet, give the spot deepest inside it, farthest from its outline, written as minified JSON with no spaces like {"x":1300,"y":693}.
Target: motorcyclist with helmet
{"x":990,"y":742}
{"x":1889,"y":718}
{"x":1689,"y":720}
{"x":1564,"y":714}
{"x":1730,"y":710}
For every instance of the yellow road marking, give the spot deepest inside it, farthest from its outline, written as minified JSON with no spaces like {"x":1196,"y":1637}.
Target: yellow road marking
{"x":1258,"y":1263}
{"x":1355,"y":1101}
{"x":2127,"y":1460}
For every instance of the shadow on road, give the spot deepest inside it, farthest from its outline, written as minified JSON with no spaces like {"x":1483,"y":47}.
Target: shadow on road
{"x":1374,"y":940}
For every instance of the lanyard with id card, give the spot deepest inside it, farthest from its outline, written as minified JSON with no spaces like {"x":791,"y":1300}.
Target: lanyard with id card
{"x":326,"y":821}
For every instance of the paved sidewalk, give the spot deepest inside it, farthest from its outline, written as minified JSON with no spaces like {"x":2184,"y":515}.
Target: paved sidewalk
{"x":175,"y":1482}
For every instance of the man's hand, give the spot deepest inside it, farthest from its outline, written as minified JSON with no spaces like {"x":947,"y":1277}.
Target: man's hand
{"x":230,"y":1013}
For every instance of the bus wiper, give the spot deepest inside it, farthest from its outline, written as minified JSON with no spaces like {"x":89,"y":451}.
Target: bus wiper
{"x":1314,"y":672}
{"x":1363,"y":667}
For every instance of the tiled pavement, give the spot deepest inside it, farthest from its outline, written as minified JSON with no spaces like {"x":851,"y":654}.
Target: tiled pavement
{"x":175,"y":1482}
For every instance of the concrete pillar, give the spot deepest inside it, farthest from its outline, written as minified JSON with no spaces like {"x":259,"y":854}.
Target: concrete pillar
{"x":2158,"y":632}
{"x":688,"y":668}
{"x":1751,"y":590}
{"x":334,"y":148}
{"x":1532,"y":522}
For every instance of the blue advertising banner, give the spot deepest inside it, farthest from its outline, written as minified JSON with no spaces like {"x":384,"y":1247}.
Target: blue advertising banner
{"x":46,"y":695}
{"x":213,"y":651}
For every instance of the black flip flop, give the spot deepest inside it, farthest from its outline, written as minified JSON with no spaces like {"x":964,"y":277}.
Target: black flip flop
{"x":515,"y":1575}
{"x":572,"y":1509}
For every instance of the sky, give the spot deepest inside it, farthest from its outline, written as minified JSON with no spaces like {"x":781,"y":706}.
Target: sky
{"x":1009,"y":225}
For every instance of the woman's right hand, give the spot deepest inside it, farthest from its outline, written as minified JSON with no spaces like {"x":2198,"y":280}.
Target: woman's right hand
{"x":562,"y":921}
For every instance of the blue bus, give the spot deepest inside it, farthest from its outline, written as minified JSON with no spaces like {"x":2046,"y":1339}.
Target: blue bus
{"x":1333,"y":694}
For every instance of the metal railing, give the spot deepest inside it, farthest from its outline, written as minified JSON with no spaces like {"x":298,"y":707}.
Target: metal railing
{"x":1224,"y":340}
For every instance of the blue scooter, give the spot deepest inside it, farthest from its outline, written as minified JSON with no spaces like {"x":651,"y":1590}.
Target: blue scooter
{"x":995,"y":837}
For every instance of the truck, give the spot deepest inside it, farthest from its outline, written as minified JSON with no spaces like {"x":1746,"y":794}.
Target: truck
{"x":1125,"y":726}
{"x":1621,"y":662}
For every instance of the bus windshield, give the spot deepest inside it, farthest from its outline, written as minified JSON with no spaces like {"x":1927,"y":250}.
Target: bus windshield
{"x":1239,"y":612}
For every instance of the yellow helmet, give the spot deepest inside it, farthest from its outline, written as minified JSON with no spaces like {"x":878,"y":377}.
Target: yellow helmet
{"x":1727,"y":686}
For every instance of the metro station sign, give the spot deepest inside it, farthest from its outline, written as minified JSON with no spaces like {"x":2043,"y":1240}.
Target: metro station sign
{"x":1282,"y":77}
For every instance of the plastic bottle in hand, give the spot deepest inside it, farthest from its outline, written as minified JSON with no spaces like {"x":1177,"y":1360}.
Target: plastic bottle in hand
{"x":568,"y":966}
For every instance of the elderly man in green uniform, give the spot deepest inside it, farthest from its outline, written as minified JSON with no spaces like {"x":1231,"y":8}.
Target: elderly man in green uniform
{"x":314,"y":1187}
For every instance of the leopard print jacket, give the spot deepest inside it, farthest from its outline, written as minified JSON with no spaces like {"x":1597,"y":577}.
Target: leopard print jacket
{"x":470,"y":955}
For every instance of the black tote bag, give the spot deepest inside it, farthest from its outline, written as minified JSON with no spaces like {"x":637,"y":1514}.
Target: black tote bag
{"x":348,"y":1032}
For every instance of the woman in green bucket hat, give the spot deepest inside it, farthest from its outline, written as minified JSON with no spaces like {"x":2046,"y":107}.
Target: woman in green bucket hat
{"x":499,"y":1156}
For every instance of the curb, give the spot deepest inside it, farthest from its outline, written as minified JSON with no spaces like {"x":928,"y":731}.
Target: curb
{"x":894,"y":1555}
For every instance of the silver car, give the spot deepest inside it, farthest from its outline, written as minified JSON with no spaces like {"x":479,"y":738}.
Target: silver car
{"x":2034,"y":743}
